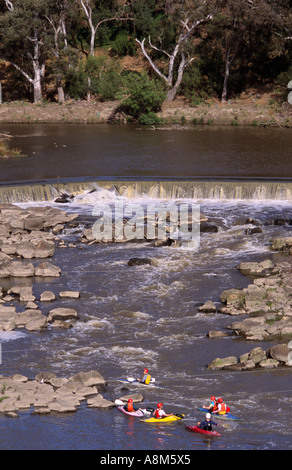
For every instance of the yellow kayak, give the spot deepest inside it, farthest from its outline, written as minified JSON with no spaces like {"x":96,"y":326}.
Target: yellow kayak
{"x":167,"y":419}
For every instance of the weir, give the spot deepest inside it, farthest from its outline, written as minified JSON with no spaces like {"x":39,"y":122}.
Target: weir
{"x":154,"y":189}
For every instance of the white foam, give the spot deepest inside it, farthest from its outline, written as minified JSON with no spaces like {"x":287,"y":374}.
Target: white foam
{"x":6,"y":336}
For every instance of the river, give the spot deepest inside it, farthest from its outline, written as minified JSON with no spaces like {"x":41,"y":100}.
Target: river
{"x":132,"y":317}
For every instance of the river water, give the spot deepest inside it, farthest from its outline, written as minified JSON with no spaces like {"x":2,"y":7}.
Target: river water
{"x":147,"y":316}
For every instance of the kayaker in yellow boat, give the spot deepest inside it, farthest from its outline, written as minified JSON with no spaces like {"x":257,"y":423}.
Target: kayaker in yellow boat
{"x":159,"y":413}
{"x":146,"y":379}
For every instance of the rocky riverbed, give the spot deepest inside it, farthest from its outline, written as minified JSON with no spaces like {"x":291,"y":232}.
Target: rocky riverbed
{"x":28,"y":235}
{"x":47,"y":393}
{"x":266,"y":308}
{"x":28,"y":238}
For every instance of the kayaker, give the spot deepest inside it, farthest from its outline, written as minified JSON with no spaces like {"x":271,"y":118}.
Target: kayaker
{"x":207,"y":424}
{"x":213,"y":405}
{"x":159,"y":413}
{"x":129,"y":406}
{"x":221,"y":407}
{"x":146,"y":379}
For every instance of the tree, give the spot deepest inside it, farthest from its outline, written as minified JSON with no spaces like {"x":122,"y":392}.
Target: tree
{"x":244,"y":26}
{"x":101,"y":12}
{"x":56,"y":17}
{"x":186,"y":23}
{"x":98,"y":13}
{"x":23,"y":35}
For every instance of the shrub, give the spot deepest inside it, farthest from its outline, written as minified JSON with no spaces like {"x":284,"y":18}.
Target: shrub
{"x":144,"y":96}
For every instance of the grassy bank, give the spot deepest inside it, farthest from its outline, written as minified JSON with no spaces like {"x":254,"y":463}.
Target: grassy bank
{"x":6,"y":151}
{"x":250,"y":109}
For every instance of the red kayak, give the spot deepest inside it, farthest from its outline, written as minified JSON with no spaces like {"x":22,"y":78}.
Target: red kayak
{"x":202,"y":431}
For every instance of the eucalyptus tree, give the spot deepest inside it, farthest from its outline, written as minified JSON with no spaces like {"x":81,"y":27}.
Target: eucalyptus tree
{"x":24,"y":39}
{"x":245,"y":27}
{"x":176,"y":40}
{"x":98,"y":12}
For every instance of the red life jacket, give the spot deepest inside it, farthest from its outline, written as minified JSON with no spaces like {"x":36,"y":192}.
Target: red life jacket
{"x":222,"y":408}
{"x":157,"y":415}
{"x":215,"y":407}
{"x":130,"y":407}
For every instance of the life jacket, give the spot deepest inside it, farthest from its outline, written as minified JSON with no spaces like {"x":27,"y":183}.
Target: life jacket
{"x":129,"y":407}
{"x":215,"y":407}
{"x":156,"y":413}
{"x":147,"y":380}
{"x":222,"y":409}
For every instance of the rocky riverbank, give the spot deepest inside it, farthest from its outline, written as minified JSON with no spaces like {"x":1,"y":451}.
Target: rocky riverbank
{"x":266,"y":305}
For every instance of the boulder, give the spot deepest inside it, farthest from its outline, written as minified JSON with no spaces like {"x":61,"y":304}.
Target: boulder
{"x":256,"y":269}
{"x":44,"y":249}
{"x":47,"y":296}
{"x":46,"y":269}
{"x":257,"y":355}
{"x":279,"y":352}
{"x":7,"y":318}
{"x":139,"y":261}
{"x":4,"y":232}
{"x":220,"y":363}
{"x":63,"y":406}
{"x":32,"y":320}
{"x":208,"y":307}
{"x":269,"y":363}
{"x":32,"y":222}
{"x":99,"y":402}
{"x":63,"y":314}
{"x":232,"y":297}
{"x":280,"y":244}
{"x":208,"y":228}
{"x":136,"y":397}
{"x":69,"y":295}
{"x":88,"y":379}
{"x":16,"y":269}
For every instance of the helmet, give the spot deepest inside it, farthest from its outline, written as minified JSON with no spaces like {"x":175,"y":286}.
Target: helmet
{"x":213,"y":398}
{"x":146,"y":371}
{"x":130,"y":400}
{"x":220,"y":400}
{"x":208,"y":416}
{"x":159,"y":405}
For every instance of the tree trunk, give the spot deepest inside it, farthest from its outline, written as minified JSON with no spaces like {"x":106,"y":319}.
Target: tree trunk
{"x":224,"y":94}
{"x":60,"y":89}
{"x":225,"y":83}
{"x":171,"y":94}
{"x":37,"y":82}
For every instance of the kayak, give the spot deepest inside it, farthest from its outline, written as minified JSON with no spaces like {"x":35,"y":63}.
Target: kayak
{"x":167,"y":419}
{"x":138,"y":413}
{"x":131,"y":380}
{"x":202,"y":431}
{"x":227,"y":415}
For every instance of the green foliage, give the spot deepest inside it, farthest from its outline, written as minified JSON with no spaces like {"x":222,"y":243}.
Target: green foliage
{"x":253,"y":38}
{"x":99,"y":76}
{"x":123,"y":45}
{"x":144,"y":96}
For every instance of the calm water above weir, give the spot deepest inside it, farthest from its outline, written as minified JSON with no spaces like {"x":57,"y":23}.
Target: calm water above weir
{"x":148,"y":315}
{"x":89,"y":151}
